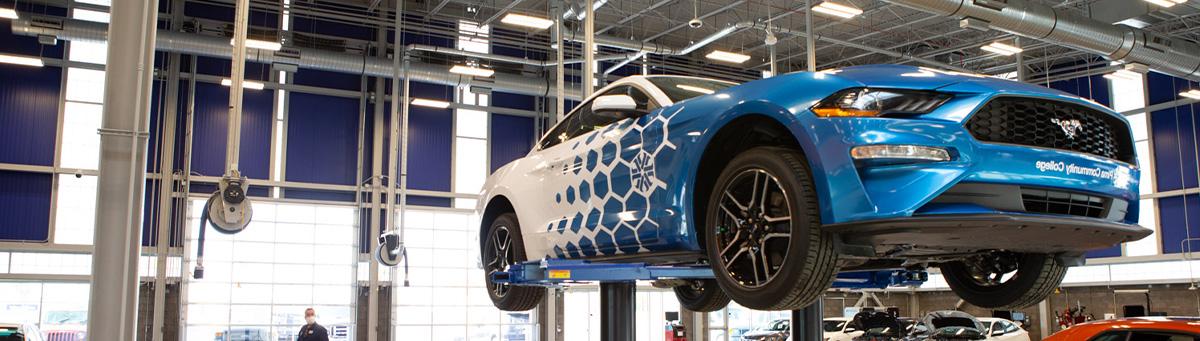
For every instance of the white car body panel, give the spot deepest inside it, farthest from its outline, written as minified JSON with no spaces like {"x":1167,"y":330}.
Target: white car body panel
{"x":530,"y":182}
{"x":992,"y":323}
{"x":842,"y":335}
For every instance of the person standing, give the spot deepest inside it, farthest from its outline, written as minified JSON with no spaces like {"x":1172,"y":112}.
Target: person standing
{"x":311,"y":331}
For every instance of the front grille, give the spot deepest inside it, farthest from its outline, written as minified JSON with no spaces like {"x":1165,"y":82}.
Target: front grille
{"x":1036,"y":122}
{"x":1056,"y":202}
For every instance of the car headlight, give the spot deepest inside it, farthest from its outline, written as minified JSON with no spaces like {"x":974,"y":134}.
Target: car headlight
{"x":867,"y":102}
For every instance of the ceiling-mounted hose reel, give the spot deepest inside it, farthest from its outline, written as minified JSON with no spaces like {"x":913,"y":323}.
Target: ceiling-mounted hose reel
{"x":229,"y":211}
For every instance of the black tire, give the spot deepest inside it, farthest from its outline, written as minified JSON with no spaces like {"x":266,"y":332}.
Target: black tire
{"x":507,"y":297}
{"x":807,"y":265}
{"x":1036,"y":277}
{"x":702,"y":296}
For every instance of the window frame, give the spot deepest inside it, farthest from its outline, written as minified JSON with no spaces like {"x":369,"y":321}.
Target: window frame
{"x":652,"y":103}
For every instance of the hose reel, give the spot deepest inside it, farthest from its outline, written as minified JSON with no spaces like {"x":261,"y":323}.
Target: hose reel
{"x":229,"y":211}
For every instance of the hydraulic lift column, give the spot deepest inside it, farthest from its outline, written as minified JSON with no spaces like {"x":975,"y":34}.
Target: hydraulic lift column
{"x":617,"y":301}
{"x":806,"y":323}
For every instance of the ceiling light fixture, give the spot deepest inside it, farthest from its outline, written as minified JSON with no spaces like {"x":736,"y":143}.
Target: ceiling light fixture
{"x":1001,"y":48}
{"x":430,"y":103}
{"x":19,"y":60}
{"x":8,"y":13}
{"x":1131,"y":72}
{"x":245,"y":84}
{"x":1167,"y":3}
{"x":261,"y":44}
{"x":837,"y":10}
{"x":725,"y":56}
{"x":472,"y":71}
{"x":527,"y":21}
{"x":1193,"y":94}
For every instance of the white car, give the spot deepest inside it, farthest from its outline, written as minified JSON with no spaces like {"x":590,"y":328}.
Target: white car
{"x":840,"y":329}
{"x":998,"y":329}
{"x":19,"y":332}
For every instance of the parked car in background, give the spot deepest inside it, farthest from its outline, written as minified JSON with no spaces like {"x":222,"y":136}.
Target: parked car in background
{"x":1133,"y":329}
{"x":19,"y":332}
{"x":65,"y":335}
{"x":777,"y":330}
{"x":998,"y":329}
{"x":840,"y":329}
{"x":244,"y":334}
{"x":947,"y":325}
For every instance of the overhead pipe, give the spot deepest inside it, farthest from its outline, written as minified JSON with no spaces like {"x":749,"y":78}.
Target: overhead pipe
{"x":1029,"y":19}
{"x":218,"y":47}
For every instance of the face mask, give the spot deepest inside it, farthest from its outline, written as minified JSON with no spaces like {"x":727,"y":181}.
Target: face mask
{"x":310,"y":319}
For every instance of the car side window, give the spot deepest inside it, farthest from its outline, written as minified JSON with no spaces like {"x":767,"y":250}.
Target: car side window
{"x":590,"y":121}
{"x":1111,"y":336}
{"x":1010,"y":327}
{"x":1160,"y":336}
{"x":562,"y":132}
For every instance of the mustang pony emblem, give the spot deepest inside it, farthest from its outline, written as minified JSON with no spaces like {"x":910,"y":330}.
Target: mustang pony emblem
{"x":1071,"y":127}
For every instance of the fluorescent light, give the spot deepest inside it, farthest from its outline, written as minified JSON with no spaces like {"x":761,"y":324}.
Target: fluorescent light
{"x":245,"y":84}
{"x":527,"y":21}
{"x":1193,"y":94}
{"x":838,"y":10}
{"x":471,"y":71}
{"x":8,"y":13}
{"x":1002,"y":48}
{"x":725,"y":56}
{"x":691,"y":88}
{"x":27,"y":61}
{"x":430,"y":103}
{"x":261,"y":44}
{"x":1167,"y":3}
{"x":1123,"y":75}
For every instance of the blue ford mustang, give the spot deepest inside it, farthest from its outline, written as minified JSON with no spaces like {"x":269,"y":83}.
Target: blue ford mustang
{"x":781,"y":183}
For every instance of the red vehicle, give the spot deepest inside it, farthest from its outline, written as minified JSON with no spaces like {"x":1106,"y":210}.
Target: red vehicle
{"x":1133,"y":329}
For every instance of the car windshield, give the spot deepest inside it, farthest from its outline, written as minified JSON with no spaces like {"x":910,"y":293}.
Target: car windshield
{"x":834,"y":326}
{"x":775,"y":326}
{"x":682,"y":88}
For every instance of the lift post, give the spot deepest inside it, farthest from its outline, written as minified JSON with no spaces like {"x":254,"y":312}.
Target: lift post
{"x":617,"y":313}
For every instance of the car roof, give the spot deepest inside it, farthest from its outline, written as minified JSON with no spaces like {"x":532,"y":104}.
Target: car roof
{"x":1185,"y":324}
{"x":990,"y":319}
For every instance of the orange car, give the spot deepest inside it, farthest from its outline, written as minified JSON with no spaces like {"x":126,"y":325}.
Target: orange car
{"x":1134,"y":329}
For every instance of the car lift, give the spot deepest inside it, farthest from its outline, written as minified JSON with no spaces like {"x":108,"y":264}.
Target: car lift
{"x":617,"y":288}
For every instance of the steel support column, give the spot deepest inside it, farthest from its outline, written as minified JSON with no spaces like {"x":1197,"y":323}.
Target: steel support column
{"x":806,"y":323}
{"x":617,"y":301}
{"x":112,"y":310}
{"x":589,"y":49}
{"x":381,"y":44}
{"x":811,"y":43}
{"x":166,"y":186}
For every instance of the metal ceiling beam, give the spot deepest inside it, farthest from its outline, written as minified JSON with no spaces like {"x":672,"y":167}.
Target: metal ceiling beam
{"x":635,"y":15}
{"x":438,"y":8}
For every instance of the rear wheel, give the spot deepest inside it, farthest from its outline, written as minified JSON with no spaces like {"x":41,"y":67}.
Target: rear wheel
{"x":763,"y":232}
{"x":701,"y":296}
{"x":1004,"y":280}
{"x":504,"y":247}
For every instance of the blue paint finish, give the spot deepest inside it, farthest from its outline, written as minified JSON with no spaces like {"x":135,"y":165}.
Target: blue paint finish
{"x":322,"y":139}
{"x":25,"y":206}
{"x":210,"y":133}
{"x":600,"y":185}
{"x":585,"y":191}
{"x":29,"y":114}
{"x":576,"y":222}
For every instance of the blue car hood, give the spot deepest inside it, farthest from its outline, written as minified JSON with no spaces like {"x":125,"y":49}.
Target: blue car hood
{"x":898,"y":76}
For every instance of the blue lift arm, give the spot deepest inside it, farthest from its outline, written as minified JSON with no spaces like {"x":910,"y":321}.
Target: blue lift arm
{"x":554,"y":272}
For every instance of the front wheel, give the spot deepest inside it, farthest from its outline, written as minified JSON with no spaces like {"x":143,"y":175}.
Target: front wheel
{"x":763,"y":232}
{"x":1004,"y":280}
{"x":503,"y":247}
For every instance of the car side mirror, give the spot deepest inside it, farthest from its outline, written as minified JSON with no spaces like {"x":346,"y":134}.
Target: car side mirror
{"x":998,"y":333}
{"x":850,"y":329}
{"x":618,"y":106}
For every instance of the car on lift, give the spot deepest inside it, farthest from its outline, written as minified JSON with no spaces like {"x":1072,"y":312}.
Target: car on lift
{"x":781,"y":183}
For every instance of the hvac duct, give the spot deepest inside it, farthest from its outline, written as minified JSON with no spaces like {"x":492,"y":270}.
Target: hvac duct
{"x":217,"y":47}
{"x":1034,"y":20}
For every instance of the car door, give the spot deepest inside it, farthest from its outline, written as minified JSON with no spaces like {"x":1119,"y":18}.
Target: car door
{"x":588,"y":211}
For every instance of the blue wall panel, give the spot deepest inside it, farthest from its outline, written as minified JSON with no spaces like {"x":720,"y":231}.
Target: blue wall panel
{"x":322,"y":139}
{"x":326,"y":79}
{"x":29,"y":114}
{"x":25,"y":206}
{"x":1095,"y":88}
{"x":308,"y":25}
{"x":1175,"y":147}
{"x":1179,"y":222}
{"x":430,"y":144}
{"x":225,"y":13}
{"x":209,"y":135}
{"x":512,"y":138}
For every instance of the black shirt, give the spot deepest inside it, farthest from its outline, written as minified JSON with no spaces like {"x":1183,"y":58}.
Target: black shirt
{"x":313,"y":332}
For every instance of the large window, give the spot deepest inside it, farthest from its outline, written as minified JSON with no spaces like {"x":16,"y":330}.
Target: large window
{"x":471,"y":126}
{"x":55,"y":307}
{"x":446,"y":298}
{"x":259,"y":281}
{"x":1130,"y":94}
